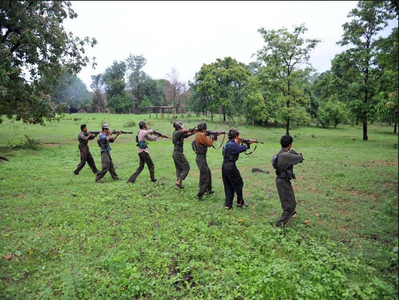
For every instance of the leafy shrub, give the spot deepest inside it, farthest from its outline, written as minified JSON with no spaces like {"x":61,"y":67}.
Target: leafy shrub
{"x":129,"y":123}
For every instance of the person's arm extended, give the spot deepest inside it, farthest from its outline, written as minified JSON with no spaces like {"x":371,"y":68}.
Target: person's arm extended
{"x":235,"y":148}
{"x":294,"y":158}
{"x":87,"y":137}
{"x":203,"y":140}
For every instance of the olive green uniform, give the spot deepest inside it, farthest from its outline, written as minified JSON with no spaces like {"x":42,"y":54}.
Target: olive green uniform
{"x":85,"y":155}
{"x":285,"y":172}
{"x":181,"y":164}
{"x":205,"y":177}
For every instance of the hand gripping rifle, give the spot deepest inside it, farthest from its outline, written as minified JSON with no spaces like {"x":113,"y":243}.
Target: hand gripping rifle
{"x":247,"y":142}
{"x":192,"y":130}
{"x":94,"y":132}
{"x":215,"y":134}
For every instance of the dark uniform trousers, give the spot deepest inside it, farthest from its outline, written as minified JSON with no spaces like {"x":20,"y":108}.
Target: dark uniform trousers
{"x":85,"y":156}
{"x":107,"y":165}
{"x":205,"y":176}
{"x":232,"y":182}
{"x":287,"y":198}
{"x":144,"y":158}
{"x":181,"y":164}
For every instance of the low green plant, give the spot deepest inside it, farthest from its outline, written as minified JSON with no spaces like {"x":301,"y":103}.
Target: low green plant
{"x":130,"y":123}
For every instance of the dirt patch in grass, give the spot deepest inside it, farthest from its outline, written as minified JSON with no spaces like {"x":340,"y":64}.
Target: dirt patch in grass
{"x":53,"y":145}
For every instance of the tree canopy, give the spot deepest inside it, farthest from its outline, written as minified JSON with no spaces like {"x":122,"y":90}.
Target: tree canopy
{"x":33,"y":45}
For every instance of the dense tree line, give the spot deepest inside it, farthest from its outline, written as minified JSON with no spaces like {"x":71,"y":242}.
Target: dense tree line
{"x":279,"y":88}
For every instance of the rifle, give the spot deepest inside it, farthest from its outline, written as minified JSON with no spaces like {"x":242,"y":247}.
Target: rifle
{"x":214,"y":134}
{"x":193,"y":130}
{"x":121,"y":132}
{"x":160,"y":134}
{"x":247,"y":142}
{"x":93,"y":132}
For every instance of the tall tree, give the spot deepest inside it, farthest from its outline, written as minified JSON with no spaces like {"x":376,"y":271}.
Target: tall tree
{"x":284,"y":59}
{"x":136,"y":78}
{"x":114,"y":79}
{"x":360,"y":35}
{"x":222,"y":83}
{"x":177,"y":89}
{"x":34,"y":45}
{"x":387,"y":58}
{"x":97,"y":85}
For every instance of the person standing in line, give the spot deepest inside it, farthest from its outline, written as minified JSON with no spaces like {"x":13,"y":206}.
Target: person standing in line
{"x":232,"y":180}
{"x":142,"y":137}
{"x":107,"y":165}
{"x":284,"y":163}
{"x":202,"y":143}
{"x":181,"y":164}
{"x":85,"y":155}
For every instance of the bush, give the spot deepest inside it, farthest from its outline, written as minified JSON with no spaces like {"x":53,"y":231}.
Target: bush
{"x":129,"y":123}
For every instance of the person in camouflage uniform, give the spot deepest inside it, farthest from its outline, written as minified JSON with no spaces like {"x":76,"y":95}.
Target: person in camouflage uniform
{"x":85,"y":155}
{"x":284,"y":163}
{"x":107,"y":165}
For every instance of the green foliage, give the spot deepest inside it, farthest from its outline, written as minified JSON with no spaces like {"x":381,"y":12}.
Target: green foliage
{"x":358,"y":65}
{"x":222,"y":86}
{"x":115,"y":87}
{"x":136,"y":79}
{"x":130,"y":123}
{"x":331,"y":113}
{"x":282,"y":58}
{"x":33,"y":46}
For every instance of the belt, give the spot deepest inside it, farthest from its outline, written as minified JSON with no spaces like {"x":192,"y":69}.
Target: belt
{"x":178,"y":150}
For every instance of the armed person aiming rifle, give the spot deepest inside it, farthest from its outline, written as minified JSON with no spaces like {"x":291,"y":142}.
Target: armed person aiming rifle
{"x":232,"y":180}
{"x":142,"y":137}
{"x":85,"y":156}
{"x":181,"y":164}
{"x":200,"y":145}
{"x":103,"y":141}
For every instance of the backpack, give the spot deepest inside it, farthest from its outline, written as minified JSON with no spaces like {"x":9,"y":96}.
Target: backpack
{"x":194,"y":146}
{"x":274,"y":161}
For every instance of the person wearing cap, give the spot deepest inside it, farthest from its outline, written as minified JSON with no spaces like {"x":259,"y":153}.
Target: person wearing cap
{"x":232,"y":180}
{"x":202,"y":143}
{"x":142,"y":137}
{"x":181,"y":164}
{"x":103,"y":141}
{"x":85,"y":155}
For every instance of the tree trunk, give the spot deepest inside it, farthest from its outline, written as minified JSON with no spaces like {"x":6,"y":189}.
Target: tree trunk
{"x":365,"y":137}
{"x":394,"y":128}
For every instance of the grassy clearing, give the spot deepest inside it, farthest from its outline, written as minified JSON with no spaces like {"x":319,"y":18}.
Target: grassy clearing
{"x":63,"y":236}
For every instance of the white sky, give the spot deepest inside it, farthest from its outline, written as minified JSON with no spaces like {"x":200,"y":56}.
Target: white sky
{"x":186,"y":34}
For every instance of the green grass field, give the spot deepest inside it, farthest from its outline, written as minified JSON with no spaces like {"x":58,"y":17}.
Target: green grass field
{"x":65,"y":237}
